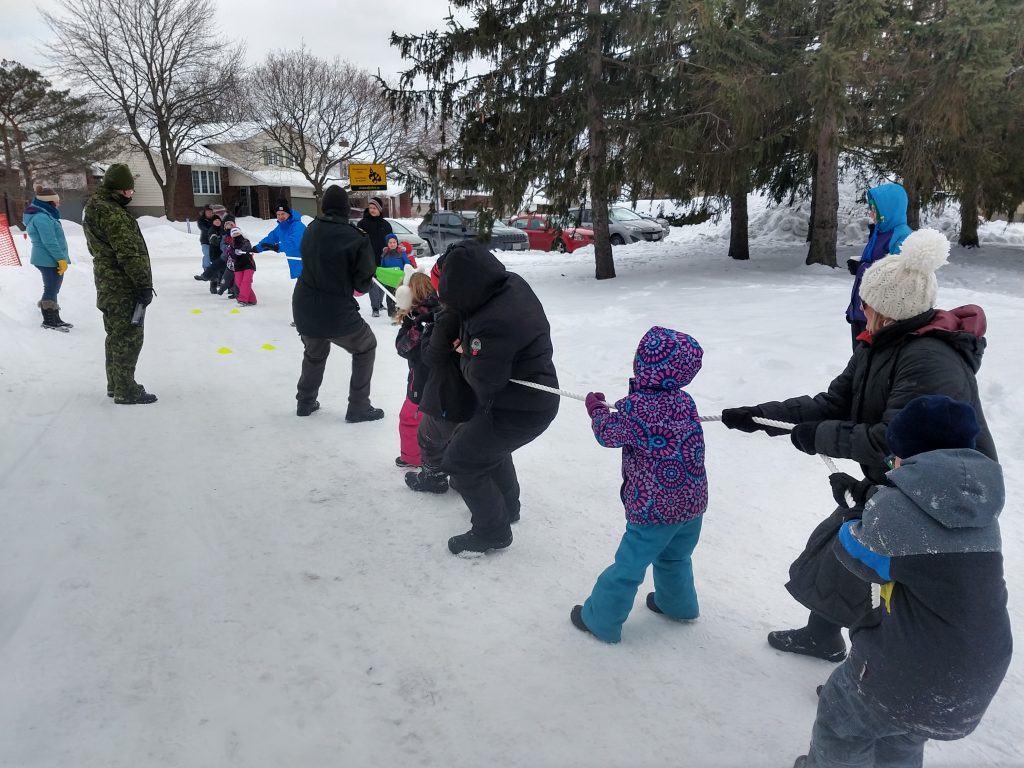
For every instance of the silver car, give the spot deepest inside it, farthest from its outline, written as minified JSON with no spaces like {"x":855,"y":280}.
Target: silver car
{"x":624,"y":226}
{"x":447,"y":227}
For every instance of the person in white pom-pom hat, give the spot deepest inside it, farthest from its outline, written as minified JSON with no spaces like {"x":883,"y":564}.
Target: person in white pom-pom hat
{"x":909,"y":349}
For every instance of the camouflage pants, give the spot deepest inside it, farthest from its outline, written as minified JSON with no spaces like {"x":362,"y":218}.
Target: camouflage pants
{"x":124,"y":343}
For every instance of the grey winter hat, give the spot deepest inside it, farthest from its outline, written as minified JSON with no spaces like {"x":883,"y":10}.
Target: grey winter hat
{"x":377,"y":202}
{"x":903,"y":285}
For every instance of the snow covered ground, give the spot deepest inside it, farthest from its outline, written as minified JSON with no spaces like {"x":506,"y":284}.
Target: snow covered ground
{"x":211,"y":581}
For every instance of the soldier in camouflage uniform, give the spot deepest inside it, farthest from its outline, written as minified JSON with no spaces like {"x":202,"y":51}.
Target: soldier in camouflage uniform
{"x":123,"y":278}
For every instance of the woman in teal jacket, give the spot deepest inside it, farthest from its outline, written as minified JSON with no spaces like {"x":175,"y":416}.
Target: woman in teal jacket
{"x":49,"y":251}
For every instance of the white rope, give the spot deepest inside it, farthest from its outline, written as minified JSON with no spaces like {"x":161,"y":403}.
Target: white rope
{"x":383,"y":287}
{"x":552,"y":390}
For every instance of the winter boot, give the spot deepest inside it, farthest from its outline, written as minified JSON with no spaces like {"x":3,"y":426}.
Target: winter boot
{"x":369,"y":413}
{"x":403,"y":464}
{"x":427,"y":481}
{"x":213,"y":287}
{"x":470,"y":543}
{"x":51,"y":319}
{"x":142,"y":397}
{"x":66,"y":325}
{"x":304,"y":409}
{"x":653,"y":606}
{"x":576,"y":617}
{"x":831,"y":648}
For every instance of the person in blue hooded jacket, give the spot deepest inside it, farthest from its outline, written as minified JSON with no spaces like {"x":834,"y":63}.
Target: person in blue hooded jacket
{"x":49,"y":252}
{"x":286,"y":237}
{"x":888,"y":206}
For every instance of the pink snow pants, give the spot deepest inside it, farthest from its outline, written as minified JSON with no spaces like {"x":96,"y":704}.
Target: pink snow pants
{"x":408,"y":422}
{"x":243,"y":281}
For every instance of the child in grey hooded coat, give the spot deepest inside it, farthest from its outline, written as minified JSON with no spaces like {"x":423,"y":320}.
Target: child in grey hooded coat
{"x":927,"y":662}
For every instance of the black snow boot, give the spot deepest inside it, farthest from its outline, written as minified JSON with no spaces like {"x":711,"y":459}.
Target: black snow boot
{"x":51,"y":320}
{"x":427,"y":481}
{"x":365,"y":414}
{"x":304,"y":409}
{"x":57,"y":315}
{"x":830,"y":647}
{"x":576,"y":617}
{"x":470,"y":543}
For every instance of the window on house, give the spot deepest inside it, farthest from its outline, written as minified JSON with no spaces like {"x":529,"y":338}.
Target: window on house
{"x":275,"y":156}
{"x":205,"y":182}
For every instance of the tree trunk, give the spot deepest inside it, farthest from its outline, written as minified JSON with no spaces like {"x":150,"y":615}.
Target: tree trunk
{"x":969,"y":215}
{"x":598,"y":150}
{"x":825,"y":223}
{"x":739,"y":242}
{"x":913,"y":206}
{"x":814,"y":195}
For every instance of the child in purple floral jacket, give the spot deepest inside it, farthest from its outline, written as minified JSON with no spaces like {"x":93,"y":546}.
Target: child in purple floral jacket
{"x":664,"y":487}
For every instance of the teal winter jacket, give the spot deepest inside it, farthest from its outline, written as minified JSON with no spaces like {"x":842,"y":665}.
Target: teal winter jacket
{"x":42,"y":221}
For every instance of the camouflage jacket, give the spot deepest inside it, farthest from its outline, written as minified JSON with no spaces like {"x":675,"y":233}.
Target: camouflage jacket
{"x":120,"y":257}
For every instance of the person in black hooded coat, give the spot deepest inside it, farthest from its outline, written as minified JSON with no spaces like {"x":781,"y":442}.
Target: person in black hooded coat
{"x":337,"y":260}
{"x":504,"y":334}
{"x":909,"y":349}
{"x":377,"y":228}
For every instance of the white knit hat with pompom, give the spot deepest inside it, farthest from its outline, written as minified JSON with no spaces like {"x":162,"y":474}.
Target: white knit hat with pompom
{"x":903,"y":285}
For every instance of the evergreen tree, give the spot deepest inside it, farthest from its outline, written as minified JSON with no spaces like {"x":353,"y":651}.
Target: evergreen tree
{"x":44,"y":132}
{"x":556,"y":101}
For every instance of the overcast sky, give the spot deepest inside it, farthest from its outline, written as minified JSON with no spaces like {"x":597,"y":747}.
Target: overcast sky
{"x":357,"y":30}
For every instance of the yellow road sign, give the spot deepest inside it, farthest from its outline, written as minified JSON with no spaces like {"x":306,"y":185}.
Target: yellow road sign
{"x":367,"y":177}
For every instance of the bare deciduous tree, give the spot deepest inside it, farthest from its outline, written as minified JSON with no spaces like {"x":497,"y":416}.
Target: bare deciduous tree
{"x":154,"y":63}
{"x":323,"y":114}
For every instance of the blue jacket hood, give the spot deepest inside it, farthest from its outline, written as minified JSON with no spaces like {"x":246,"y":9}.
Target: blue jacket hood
{"x":666,"y":359}
{"x":891,"y":203}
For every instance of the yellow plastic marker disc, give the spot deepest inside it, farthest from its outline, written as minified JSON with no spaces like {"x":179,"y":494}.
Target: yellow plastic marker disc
{"x":268,"y":346}
{"x":197,"y":311}
{"x":223,"y":351}
{"x":236,"y":311}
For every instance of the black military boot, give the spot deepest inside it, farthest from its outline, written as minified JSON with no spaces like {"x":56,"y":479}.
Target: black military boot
{"x":470,"y":543}
{"x":427,"y":481}
{"x":142,"y":397}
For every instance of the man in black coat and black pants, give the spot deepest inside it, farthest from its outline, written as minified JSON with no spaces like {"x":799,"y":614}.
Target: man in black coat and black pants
{"x":504,"y":334}
{"x":336,"y":260}
{"x":377,"y":228}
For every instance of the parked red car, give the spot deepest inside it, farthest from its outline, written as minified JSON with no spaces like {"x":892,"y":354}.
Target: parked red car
{"x":544,"y":235}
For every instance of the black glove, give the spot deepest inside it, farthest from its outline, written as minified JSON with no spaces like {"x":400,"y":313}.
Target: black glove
{"x":268,"y":247}
{"x":859,"y":489}
{"x":743,"y":420}
{"x":853,"y":265}
{"x":803,"y":436}
{"x":144,"y":296}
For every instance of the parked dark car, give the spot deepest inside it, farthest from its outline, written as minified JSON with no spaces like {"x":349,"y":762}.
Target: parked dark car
{"x":624,"y":226}
{"x":545,"y":235}
{"x":446,"y":227}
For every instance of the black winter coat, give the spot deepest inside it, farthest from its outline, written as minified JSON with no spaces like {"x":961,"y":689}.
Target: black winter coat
{"x":504,"y":331}
{"x":242,"y":253}
{"x":204,"y":225}
{"x":446,"y":394}
{"x":408,"y":343}
{"x":377,"y":228}
{"x":336,"y":260}
{"x":934,"y":353}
